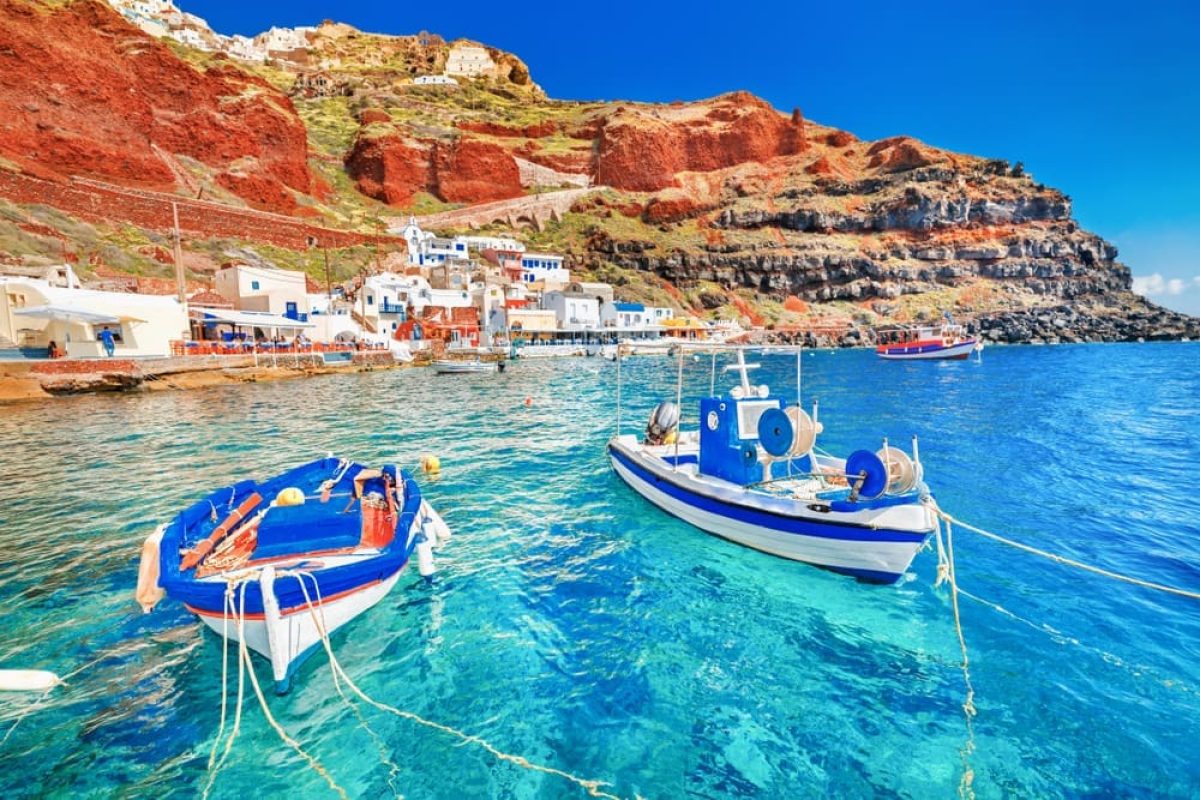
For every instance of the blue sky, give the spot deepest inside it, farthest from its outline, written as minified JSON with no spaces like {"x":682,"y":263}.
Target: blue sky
{"x":1099,"y":99}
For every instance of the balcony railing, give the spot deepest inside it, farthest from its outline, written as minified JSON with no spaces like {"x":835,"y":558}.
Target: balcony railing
{"x":390,"y":308}
{"x":296,"y":315}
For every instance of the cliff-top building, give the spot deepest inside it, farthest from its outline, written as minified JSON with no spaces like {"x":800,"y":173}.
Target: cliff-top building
{"x":469,"y":61}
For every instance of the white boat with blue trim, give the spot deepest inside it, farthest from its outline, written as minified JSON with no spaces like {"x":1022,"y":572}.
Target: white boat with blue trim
{"x":753,"y":474}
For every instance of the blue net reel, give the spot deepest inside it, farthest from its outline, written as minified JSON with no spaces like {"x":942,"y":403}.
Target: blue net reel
{"x":775,"y":432}
{"x":869,"y":468}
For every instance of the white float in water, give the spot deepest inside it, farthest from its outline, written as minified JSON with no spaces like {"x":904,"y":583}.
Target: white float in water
{"x":27,"y":680}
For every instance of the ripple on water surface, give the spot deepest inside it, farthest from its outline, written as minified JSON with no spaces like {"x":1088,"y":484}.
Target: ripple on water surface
{"x":576,"y":625}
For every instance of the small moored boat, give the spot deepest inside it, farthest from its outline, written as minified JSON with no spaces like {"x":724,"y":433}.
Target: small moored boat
{"x":322,"y":542}
{"x":753,"y":474}
{"x":451,"y":367}
{"x":925,"y":342}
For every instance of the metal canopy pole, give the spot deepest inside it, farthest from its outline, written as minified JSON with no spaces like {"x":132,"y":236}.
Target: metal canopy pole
{"x":618,"y":388}
{"x":678,"y":407}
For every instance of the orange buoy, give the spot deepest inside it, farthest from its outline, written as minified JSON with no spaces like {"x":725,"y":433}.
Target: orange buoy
{"x":528,"y":400}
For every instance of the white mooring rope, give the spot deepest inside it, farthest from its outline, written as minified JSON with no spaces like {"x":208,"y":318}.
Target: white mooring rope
{"x":592,"y":787}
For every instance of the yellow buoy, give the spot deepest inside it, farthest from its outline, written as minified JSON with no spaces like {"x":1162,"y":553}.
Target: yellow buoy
{"x":290,"y":496}
{"x":431,"y":464}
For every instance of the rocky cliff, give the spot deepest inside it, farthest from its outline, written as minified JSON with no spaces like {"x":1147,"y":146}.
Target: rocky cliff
{"x":725,"y":206}
{"x":86,"y":93}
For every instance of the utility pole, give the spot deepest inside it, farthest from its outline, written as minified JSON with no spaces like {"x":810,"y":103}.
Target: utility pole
{"x":180,"y":283}
{"x":328,"y":284}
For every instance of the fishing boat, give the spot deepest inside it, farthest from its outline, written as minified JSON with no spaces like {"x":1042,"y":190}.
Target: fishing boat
{"x":452,"y":367}
{"x":285,"y":561}
{"x":924,"y":342}
{"x":753,"y":473}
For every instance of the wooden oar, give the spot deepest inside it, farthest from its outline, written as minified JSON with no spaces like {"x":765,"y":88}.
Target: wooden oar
{"x":194,"y":556}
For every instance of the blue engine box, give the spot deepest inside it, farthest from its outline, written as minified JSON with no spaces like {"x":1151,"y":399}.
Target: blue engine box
{"x":729,"y":438}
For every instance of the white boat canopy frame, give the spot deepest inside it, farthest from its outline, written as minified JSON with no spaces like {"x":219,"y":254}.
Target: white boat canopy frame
{"x":740,"y":366}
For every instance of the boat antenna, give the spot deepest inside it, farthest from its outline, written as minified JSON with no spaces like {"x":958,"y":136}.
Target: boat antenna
{"x":678,"y":407}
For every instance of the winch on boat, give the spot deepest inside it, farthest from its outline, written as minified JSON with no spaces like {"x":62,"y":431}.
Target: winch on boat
{"x":329,"y":544}
{"x":753,"y":473}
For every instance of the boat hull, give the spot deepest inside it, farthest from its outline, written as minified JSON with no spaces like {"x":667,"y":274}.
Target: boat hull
{"x":859,"y":549}
{"x":926,"y":351}
{"x":463,"y":367}
{"x":288,"y":638}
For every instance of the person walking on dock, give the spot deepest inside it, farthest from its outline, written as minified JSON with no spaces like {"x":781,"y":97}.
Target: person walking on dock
{"x":106,"y":338}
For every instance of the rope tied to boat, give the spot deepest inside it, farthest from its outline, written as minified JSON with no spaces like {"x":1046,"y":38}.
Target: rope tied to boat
{"x":946,"y":573}
{"x":591,"y":786}
{"x":246,"y":669}
{"x":1069,"y":562}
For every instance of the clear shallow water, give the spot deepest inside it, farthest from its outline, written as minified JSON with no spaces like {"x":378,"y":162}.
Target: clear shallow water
{"x":576,"y":625}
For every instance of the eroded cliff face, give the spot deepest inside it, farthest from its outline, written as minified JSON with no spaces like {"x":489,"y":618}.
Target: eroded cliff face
{"x":393,"y":168}
{"x":644,"y":148}
{"x":86,"y":93}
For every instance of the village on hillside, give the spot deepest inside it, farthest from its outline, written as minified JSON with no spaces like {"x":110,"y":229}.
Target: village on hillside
{"x":444,"y":295}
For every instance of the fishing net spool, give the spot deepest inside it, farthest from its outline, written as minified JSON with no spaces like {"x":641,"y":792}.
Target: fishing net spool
{"x":902,"y":472}
{"x":804,"y":431}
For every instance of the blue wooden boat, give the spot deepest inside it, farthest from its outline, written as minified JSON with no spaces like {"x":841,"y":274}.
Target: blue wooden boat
{"x":312,"y":548}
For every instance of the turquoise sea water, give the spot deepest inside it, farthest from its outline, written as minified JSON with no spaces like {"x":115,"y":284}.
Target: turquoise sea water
{"x":574,"y":624}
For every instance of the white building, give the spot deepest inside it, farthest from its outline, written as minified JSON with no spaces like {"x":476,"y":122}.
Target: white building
{"x":623,"y":315}
{"x":498,"y":243}
{"x":277,"y":291}
{"x":573,"y":310}
{"x":657,"y":315}
{"x":435,"y":80}
{"x":546,"y":268}
{"x":427,"y":249}
{"x":284,"y":39}
{"x":192,"y":38}
{"x":469,"y":60}
{"x":245,"y":48}
{"x":60,"y":275}
{"x":34,"y":313}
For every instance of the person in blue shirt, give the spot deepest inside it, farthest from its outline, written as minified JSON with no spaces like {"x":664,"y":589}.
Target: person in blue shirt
{"x":106,"y":338}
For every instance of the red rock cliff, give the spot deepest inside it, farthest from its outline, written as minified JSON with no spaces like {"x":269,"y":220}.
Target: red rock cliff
{"x":86,"y":93}
{"x":642,"y":148}
{"x":392,"y":169}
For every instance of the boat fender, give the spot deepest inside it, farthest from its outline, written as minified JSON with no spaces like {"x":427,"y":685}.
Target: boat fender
{"x":439,"y":525}
{"x":425,"y":563}
{"x":27,"y":680}
{"x":291,"y":496}
{"x":148,"y":592}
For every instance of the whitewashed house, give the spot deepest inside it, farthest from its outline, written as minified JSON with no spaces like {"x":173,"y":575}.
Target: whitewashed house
{"x":276,"y":291}
{"x":33,"y":313}
{"x":434,"y":80}
{"x":623,"y":316}
{"x":575,"y":311}
{"x":545,"y":268}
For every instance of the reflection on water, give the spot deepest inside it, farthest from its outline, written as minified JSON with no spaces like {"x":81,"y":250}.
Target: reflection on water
{"x":576,"y":625}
